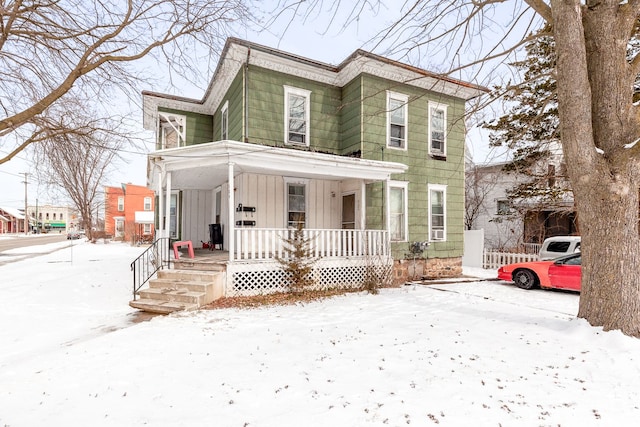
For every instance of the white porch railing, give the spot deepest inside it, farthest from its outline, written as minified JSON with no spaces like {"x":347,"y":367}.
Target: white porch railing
{"x":264,"y":243}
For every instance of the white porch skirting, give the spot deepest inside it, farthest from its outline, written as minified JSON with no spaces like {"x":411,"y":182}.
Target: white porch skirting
{"x":247,"y":278}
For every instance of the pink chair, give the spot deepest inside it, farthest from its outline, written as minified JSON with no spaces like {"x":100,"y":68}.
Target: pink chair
{"x":186,"y":243}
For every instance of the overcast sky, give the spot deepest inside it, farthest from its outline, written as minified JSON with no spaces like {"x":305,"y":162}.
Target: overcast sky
{"x":311,"y":38}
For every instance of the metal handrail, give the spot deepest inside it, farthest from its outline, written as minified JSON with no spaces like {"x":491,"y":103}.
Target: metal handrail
{"x":149,"y":262}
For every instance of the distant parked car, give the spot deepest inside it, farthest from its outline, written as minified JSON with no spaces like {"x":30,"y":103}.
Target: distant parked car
{"x":561,"y":273}
{"x":554,"y":247}
{"x":73,"y":235}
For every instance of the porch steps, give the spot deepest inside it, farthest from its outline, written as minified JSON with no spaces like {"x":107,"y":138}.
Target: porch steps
{"x":179,"y":290}
{"x":198,"y":264}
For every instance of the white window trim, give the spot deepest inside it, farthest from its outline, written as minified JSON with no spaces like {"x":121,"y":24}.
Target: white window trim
{"x":443,"y":188}
{"x":120,"y":205}
{"x":146,"y":229}
{"x":438,"y":106}
{"x":224,"y":120}
{"x":288,"y":90}
{"x":405,"y":187}
{"x":168,"y":216}
{"x":147,"y":202}
{"x":297,"y":181}
{"x":169,"y":119}
{"x":403,"y":98}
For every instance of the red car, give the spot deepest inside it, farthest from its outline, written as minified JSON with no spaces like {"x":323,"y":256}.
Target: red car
{"x":560,"y":273}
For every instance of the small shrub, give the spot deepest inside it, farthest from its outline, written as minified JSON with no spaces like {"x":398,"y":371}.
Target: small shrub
{"x":297,"y":263}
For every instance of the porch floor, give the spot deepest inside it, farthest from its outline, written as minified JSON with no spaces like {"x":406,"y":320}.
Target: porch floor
{"x":205,"y":259}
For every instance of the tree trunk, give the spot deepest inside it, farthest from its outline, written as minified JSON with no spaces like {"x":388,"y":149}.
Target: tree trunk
{"x":596,"y":121}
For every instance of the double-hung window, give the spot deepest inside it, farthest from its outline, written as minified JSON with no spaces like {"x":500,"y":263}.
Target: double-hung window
{"x":296,"y":203}
{"x":397,"y":112}
{"x":437,"y":129}
{"x":171,"y":130}
{"x":297,"y":105}
{"x":224,"y":122}
{"x":437,"y":212}
{"x":147,"y":203}
{"x":398,"y":211}
{"x":120,"y":203}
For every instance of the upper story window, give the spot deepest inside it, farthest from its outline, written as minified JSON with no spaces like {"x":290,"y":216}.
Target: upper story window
{"x":297,"y":105}
{"x":147,"y":203}
{"x":398,"y":211}
{"x":437,"y":129}
{"x":120,"y":203}
{"x":171,"y":130}
{"x":61,"y":216}
{"x":224,"y":122}
{"x":54,"y":216}
{"x":397,"y":125}
{"x":437,"y":212}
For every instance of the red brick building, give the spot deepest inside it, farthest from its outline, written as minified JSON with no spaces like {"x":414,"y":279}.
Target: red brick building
{"x":129,"y":213}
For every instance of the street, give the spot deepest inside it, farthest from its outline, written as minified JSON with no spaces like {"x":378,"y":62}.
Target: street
{"x":22,"y":241}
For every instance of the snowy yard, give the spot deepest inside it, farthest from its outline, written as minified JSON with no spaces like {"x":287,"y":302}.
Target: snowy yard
{"x":483,"y":353}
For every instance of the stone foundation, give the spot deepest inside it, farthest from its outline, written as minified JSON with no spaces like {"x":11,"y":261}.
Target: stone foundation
{"x":407,"y":270}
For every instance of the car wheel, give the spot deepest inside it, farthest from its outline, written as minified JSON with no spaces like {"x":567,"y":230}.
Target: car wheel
{"x":525,"y":279}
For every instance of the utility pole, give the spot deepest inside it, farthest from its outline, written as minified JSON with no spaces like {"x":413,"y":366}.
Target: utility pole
{"x":26,"y":214}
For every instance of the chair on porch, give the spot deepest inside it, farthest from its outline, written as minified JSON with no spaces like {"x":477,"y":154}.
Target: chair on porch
{"x":215,"y":236}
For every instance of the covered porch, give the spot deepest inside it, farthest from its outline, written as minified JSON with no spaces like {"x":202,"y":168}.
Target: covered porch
{"x":256,"y":193}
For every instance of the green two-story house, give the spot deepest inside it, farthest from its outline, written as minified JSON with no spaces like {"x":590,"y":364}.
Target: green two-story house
{"x":368,"y":156}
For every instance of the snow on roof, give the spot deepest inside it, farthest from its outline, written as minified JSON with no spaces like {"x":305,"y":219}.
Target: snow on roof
{"x":13,"y":212}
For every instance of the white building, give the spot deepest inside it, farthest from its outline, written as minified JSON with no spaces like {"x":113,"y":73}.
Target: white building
{"x":54,"y":219}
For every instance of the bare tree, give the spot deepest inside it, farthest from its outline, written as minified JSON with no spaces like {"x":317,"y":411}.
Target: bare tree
{"x":78,"y":159}
{"x":599,"y":122}
{"x":477,"y":186}
{"x":83,"y":48}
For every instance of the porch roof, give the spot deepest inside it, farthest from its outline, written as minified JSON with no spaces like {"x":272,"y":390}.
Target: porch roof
{"x":204,"y":166}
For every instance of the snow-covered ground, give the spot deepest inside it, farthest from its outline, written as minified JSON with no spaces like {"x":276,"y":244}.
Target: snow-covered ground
{"x":458,"y":354}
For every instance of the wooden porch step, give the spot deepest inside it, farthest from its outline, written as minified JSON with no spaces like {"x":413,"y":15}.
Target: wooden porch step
{"x":161,"y":307}
{"x":174,"y":295}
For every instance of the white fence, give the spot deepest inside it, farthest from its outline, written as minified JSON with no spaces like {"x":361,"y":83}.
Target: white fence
{"x":265,"y":243}
{"x":494,"y":259}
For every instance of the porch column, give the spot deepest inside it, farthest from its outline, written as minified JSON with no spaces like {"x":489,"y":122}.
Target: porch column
{"x":160,"y":230}
{"x":231,"y":207}
{"x":388,"y":213}
{"x":167,"y":227}
{"x":363,"y":206}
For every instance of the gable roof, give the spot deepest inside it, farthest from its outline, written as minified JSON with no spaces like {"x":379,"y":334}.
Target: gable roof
{"x":237,"y":53}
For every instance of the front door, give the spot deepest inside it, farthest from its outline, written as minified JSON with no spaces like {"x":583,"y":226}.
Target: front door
{"x":348,"y":211}
{"x":348,"y":222}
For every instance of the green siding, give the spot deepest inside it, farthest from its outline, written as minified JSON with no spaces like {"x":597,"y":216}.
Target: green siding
{"x":199,"y":127}
{"x":234,"y":96}
{"x":350,"y":122}
{"x":423,"y":169}
{"x":266,"y":110}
